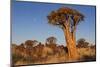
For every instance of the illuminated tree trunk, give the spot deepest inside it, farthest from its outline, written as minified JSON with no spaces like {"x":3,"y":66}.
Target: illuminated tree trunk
{"x":71,"y":43}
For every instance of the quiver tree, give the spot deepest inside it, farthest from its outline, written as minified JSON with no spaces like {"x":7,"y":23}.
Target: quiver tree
{"x":67,"y":19}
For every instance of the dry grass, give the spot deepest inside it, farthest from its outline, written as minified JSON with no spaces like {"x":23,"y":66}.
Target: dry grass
{"x":87,"y":54}
{"x":45,"y":55}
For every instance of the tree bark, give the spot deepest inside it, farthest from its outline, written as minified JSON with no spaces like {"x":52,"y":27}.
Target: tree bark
{"x":71,"y":44}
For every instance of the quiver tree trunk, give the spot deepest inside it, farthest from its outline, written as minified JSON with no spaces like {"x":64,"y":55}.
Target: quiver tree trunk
{"x":71,"y":44}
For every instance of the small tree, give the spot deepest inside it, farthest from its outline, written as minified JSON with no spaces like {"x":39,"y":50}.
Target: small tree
{"x":51,"y":40}
{"x":29,"y":46}
{"x":86,"y":44}
{"x":30,"y":43}
{"x":82,"y":43}
{"x":22,"y":45}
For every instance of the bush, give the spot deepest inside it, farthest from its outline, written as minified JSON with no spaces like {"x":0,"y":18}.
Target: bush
{"x":16,"y":57}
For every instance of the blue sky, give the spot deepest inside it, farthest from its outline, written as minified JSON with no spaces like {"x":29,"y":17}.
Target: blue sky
{"x":29,"y":22}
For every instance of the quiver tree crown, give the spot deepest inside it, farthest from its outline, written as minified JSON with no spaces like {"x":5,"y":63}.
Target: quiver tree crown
{"x":60,"y":16}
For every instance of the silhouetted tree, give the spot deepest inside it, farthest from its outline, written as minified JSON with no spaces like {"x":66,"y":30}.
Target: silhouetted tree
{"x":82,"y":43}
{"x":35,"y":42}
{"x":30,"y":43}
{"x":51,"y":40}
{"x":86,"y":44}
{"x":67,"y":19}
{"x":21,"y":45}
